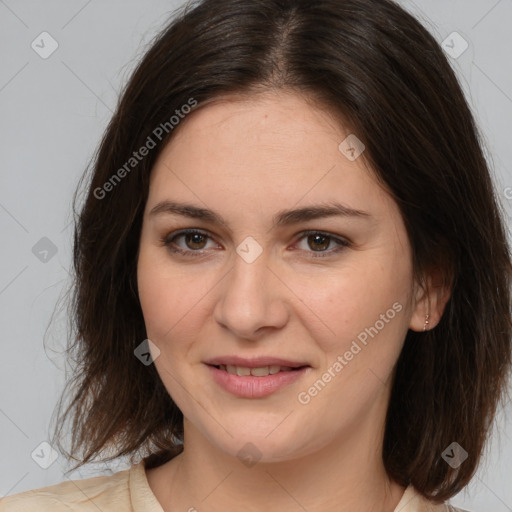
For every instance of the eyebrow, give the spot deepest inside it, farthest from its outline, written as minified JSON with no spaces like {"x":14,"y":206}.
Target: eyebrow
{"x":282,"y":218}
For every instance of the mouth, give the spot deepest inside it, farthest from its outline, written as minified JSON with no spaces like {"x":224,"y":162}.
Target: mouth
{"x":255,"y":378}
{"x":259,"y":371}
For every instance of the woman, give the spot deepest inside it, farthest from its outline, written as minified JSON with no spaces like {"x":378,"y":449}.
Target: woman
{"x":292,"y":277}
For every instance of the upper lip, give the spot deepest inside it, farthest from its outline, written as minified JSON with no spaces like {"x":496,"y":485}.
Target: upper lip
{"x":255,"y":362}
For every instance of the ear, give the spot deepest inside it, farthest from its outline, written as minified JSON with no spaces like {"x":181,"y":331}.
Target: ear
{"x":430,"y":298}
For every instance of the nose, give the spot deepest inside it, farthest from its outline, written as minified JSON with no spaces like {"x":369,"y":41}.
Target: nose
{"x":252,"y":299}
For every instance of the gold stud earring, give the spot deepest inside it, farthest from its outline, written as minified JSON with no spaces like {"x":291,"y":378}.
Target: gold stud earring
{"x":425,"y":327}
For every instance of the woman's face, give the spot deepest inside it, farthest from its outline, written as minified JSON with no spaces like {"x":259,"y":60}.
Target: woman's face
{"x":338,"y":302}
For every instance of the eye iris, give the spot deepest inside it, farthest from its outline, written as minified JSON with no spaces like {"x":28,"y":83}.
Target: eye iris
{"x":194,"y":236}
{"x":321,"y":237}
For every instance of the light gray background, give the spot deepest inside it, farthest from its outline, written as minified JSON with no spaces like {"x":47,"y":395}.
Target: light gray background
{"x":52,"y":114}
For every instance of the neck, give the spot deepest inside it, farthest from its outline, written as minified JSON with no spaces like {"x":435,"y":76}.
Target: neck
{"x":340,"y":477}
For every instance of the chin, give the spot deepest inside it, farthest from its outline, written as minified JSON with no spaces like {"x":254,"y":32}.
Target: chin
{"x":262,"y":445}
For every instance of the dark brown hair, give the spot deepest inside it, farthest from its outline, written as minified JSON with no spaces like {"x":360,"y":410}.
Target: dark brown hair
{"x":380,"y":70}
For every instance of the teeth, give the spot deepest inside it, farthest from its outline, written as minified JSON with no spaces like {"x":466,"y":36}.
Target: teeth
{"x":273,"y":369}
{"x":262,"y":371}
{"x":239,"y":370}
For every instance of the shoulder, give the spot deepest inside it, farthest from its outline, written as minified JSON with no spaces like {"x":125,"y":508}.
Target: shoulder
{"x":413,"y":501}
{"x":106,"y":493}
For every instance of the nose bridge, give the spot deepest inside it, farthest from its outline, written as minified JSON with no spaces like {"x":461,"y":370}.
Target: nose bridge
{"x":249,"y":299}
{"x":249,"y":276}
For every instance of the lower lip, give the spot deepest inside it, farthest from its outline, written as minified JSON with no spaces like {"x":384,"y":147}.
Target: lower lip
{"x":248,"y":386}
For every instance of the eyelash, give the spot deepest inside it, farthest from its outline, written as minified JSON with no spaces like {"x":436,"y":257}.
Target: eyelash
{"x":169,"y":239}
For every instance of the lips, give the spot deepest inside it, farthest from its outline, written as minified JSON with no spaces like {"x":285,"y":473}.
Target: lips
{"x":252,"y":386}
{"x":256,"y":377}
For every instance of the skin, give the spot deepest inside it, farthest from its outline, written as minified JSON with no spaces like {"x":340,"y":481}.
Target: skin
{"x":247,"y":159}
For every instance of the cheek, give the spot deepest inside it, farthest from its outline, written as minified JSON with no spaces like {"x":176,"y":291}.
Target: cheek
{"x":158,"y":293}
{"x":364,"y":320}
{"x":171,"y":300}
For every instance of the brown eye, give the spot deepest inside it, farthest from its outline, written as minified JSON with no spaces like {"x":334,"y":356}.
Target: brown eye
{"x":195,"y":243}
{"x":318,"y":242}
{"x":194,"y":240}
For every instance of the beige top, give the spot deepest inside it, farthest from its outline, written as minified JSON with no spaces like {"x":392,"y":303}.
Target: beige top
{"x":129,"y":491}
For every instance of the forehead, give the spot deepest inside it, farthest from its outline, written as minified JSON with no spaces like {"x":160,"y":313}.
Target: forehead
{"x":269,"y":150}
{"x":261,"y":117}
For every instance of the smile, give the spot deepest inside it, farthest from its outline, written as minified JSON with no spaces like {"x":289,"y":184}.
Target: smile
{"x":257,"y":382}
{"x":261,"y":371}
